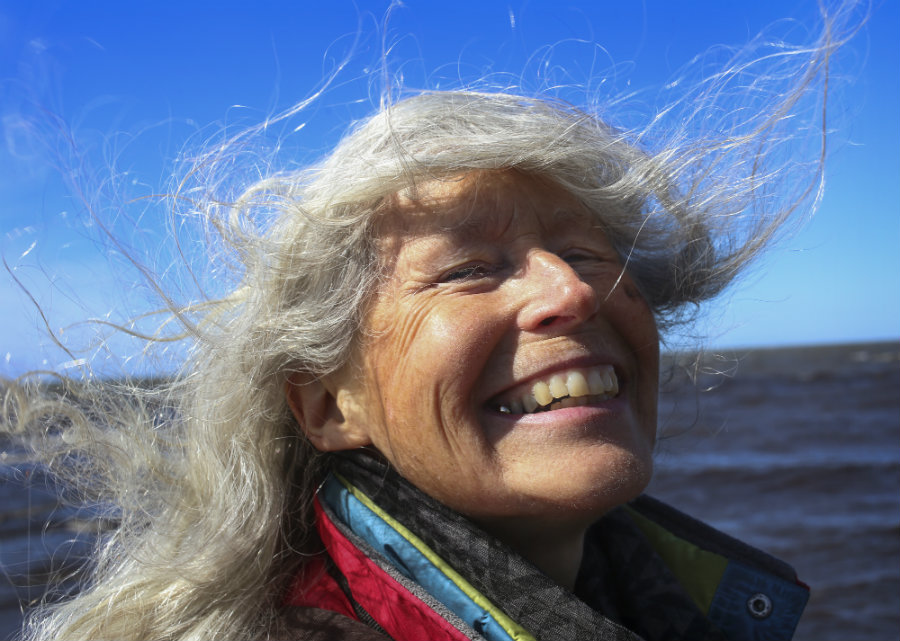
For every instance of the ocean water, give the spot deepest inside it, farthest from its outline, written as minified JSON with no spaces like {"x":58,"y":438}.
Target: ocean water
{"x":40,"y":539}
{"x":796,"y":451}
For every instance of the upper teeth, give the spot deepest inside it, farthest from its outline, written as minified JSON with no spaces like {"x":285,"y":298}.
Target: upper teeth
{"x":573,"y":383}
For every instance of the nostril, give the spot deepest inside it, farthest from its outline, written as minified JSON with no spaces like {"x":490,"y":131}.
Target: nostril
{"x":548,"y":321}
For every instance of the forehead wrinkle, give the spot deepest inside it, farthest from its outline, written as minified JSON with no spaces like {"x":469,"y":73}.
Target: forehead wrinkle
{"x":494,"y":212}
{"x":506,"y":198}
{"x":476,"y":207}
{"x":435,"y":223}
{"x":472,"y":209}
{"x":565,"y":218}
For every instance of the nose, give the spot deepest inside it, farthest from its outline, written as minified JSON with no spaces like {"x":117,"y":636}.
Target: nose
{"x":556,"y":298}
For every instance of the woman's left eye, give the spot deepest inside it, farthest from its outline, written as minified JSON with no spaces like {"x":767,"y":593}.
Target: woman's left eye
{"x":579,"y":256}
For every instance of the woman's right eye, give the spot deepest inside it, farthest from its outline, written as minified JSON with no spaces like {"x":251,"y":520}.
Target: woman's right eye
{"x":466,"y":272}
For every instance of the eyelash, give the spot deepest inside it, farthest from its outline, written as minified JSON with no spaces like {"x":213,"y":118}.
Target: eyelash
{"x":577,"y":256}
{"x":473,"y":271}
{"x":467,"y":272}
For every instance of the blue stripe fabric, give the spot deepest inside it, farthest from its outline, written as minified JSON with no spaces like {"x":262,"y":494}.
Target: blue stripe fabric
{"x":409,"y":561}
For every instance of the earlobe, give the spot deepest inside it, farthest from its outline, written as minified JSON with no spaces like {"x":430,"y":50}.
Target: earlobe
{"x":326,"y":417}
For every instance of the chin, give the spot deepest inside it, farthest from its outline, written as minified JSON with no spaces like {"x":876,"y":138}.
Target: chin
{"x":618,"y":482}
{"x":584,"y":492}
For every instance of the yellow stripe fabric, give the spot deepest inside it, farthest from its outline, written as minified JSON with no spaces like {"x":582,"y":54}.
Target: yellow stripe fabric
{"x":698,"y":570}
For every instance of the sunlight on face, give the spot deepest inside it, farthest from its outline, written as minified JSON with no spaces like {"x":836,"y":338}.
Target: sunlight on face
{"x":509,"y":368}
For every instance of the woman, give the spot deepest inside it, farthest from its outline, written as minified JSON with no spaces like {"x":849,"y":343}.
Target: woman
{"x":504,"y":394}
{"x":428,"y":408}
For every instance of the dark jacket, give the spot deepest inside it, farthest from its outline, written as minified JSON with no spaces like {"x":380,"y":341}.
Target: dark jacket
{"x":399,"y":565}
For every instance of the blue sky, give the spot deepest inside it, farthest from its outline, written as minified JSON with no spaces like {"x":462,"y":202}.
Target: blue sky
{"x":135,"y":84}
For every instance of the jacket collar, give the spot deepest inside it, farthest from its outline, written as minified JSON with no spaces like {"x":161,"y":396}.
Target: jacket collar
{"x":626,"y":588}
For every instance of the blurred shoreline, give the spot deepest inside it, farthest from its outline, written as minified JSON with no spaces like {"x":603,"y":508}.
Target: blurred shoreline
{"x":794,"y":449}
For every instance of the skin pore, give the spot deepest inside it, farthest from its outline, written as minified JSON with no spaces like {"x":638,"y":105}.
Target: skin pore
{"x":497,"y":282}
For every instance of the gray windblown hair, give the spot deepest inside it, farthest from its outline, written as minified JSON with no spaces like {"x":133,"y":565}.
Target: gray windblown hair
{"x":210,"y":479}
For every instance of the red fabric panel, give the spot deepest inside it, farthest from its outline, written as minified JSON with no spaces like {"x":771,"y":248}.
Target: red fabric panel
{"x":403,"y":616}
{"x":313,"y":587}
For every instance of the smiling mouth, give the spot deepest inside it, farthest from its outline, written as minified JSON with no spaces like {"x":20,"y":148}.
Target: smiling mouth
{"x":570,"y":388}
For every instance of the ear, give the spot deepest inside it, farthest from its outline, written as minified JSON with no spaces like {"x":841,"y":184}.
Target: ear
{"x":325,"y":415}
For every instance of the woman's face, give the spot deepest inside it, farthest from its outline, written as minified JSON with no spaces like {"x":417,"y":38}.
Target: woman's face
{"x":501,"y":293}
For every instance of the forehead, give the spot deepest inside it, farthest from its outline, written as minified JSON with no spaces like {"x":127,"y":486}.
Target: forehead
{"x":480,"y":205}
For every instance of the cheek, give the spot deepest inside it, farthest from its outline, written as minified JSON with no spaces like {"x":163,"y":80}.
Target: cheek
{"x":434,"y":340}
{"x":419,"y":361}
{"x":636,"y":316}
{"x":637,"y":326}
{"x":428,"y":365}
{"x":410,"y":342}
{"x":631,"y":290}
